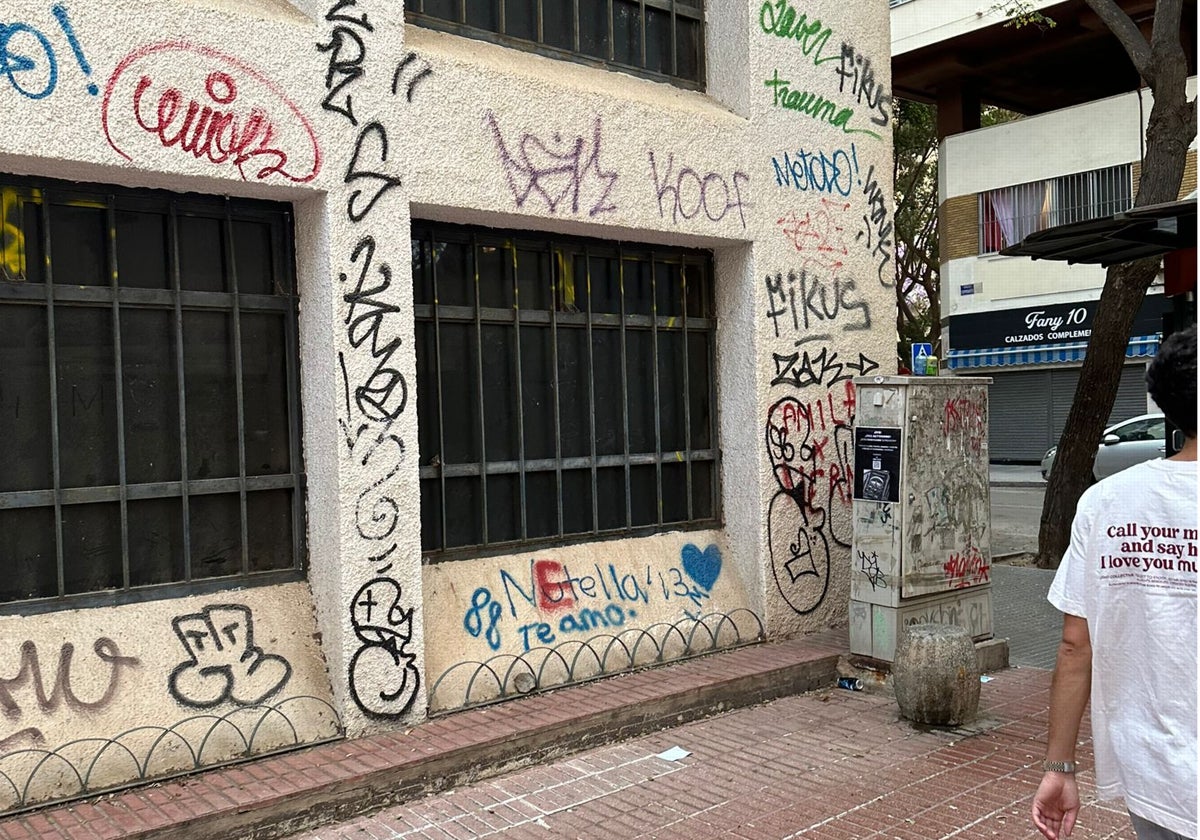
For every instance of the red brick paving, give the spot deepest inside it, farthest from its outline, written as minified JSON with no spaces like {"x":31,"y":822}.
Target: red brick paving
{"x":829,"y":765}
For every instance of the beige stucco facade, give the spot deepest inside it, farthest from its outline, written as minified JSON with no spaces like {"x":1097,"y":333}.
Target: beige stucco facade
{"x":781,"y":170}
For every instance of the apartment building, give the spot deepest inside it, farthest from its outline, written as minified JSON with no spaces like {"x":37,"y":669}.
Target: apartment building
{"x":1075,"y":155}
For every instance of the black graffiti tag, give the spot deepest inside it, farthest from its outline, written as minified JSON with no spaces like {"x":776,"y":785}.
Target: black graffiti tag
{"x":223,"y":662}
{"x":410,"y":60}
{"x":802,"y":369}
{"x":877,"y":228}
{"x":811,"y":301}
{"x":385,"y":393}
{"x":383,"y":675}
{"x":379,"y":182}
{"x":347,"y":52}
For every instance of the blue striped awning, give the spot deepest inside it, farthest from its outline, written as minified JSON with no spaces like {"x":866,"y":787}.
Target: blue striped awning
{"x":1042,"y":354}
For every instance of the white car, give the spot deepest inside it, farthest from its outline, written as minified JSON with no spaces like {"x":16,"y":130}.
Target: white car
{"x":1124,"y":444}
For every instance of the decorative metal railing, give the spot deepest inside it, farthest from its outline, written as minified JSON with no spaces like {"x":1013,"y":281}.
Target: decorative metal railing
{"x":505,"y":676}
{"x":84,"y":767}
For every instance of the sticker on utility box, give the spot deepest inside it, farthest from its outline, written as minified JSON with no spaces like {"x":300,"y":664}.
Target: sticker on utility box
{"x":877,"y":464}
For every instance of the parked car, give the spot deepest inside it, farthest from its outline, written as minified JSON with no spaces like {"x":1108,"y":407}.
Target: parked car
{"x":1124,"y":444}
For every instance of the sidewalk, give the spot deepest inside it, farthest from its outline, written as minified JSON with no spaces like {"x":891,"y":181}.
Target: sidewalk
{"x":829,"y":765}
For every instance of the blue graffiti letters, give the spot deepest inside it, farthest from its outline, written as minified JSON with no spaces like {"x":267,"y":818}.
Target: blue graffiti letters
{"x":818,"y":170}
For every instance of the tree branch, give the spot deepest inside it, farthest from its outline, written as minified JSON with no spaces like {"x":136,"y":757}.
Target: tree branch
{"x":1167,"y":14}
{"x":1128,"y":34}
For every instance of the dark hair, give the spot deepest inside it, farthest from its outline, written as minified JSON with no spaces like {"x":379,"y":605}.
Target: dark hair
{"x":1171,"y":380}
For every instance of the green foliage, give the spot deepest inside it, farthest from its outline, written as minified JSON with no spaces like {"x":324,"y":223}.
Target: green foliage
{"x":1021,"y":13}
{"x":918,"y":286}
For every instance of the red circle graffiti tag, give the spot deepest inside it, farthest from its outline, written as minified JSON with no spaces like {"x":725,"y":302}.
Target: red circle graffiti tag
{"x":242,"y":117}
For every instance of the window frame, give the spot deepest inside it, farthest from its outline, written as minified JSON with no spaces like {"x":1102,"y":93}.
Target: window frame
{"x":674,"y":8}
{"x":1108,"y":190}
{"x":50,"y":297}
{"x":521,"y":316}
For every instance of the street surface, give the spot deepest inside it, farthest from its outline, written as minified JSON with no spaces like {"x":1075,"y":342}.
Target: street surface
{"x":1016,"y":517}
{"x":829,"y":765}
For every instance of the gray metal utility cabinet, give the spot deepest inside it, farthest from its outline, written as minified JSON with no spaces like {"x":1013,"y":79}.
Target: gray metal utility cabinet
{"x":922,"y":525}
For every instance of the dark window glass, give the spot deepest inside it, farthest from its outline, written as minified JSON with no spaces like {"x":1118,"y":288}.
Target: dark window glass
{"x":521,"y":19}
{"x":27,"y":551}
{"x":142,"y":250}
{"x":77,"y":245}
{"x":597,"y":408}
{"x":558,"y":25}
{"x":658,"y":41}
{"x":99,"y":377}
{"x":484,"y":14}
{"x":208,"y":365}
{"x":590,"y":31}
{"x":91,"y":547}
{"x":541,"y":504}
{"x":253,"y":260}
{"x":24,"y":408}
{"x":87,"y":406}
{"x":593,"y":28}
{"x":155,"y":541}
{"x":216,"y":531}
{"x":201,"y":254}
{"x":269,"y":529}
{"x":627,"y":33}
{"x":264,"y":388}
{"x":537,"y":387}
{"x":151,"y":393}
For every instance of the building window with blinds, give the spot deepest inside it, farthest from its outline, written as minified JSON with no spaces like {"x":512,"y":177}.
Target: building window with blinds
{"x":565,"y":390}
{"x":148,"y":397}
{"x":659,"y":39}
{"x":1008,"y":214}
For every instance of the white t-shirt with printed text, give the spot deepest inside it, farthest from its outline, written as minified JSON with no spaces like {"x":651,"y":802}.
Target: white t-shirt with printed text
{"x":1131,"y":572}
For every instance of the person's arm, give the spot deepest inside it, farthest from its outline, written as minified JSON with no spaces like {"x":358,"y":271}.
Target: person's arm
{"x":1056,"y":804}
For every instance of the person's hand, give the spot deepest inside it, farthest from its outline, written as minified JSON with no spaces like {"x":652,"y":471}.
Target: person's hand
{"x":1056,"y":805}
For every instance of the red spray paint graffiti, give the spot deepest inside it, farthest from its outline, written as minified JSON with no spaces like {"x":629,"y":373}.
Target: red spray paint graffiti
{"x":213,"y":107}
{"x":965,"y":417}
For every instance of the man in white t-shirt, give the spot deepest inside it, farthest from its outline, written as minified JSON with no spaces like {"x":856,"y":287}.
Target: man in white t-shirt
{"x":1127,"y":590}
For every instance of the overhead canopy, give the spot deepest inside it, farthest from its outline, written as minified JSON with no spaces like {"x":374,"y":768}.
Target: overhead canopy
{"x":1122,"y":237}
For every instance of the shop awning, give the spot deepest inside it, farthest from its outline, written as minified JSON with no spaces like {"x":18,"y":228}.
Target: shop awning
{"x":1042,"y":354}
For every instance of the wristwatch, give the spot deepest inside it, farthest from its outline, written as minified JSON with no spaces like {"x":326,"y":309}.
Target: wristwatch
{"x":1058,"y":766}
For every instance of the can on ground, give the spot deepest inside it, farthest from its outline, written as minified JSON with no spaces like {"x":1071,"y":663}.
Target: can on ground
{"x":850,"y":683}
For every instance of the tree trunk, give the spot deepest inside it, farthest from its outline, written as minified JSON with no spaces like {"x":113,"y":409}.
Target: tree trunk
{"x":1170,"y":129}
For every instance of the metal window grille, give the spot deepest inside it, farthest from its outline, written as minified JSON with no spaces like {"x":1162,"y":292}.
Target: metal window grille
{"x":148,"y":397}
{"x":565,"y":390}
{"x":659,"y":39}
{"x":1009,"y":214}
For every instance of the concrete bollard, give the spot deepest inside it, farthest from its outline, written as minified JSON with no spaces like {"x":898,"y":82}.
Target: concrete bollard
{"x":936,"y":675}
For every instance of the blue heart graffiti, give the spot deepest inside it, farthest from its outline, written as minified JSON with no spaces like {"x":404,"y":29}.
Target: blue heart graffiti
{"x":704,"y":567}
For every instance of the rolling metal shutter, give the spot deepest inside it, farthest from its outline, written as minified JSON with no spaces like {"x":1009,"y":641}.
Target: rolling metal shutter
{"x":1028,"y":408}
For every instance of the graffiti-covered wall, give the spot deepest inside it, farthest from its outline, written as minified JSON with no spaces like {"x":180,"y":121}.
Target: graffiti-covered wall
{"x":361,"y":124}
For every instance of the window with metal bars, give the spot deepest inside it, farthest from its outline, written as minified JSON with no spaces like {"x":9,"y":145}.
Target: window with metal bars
{"x":660,"y":39}
{"x":1009,"y":214}
{"x":565,"y":390}
{"x":148,"y":395}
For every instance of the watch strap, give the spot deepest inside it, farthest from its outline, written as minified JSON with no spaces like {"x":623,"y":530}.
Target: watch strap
{"x":1058,"y":766}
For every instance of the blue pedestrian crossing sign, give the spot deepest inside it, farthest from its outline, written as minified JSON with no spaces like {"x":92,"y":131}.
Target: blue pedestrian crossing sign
{"x":920,"y":352}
